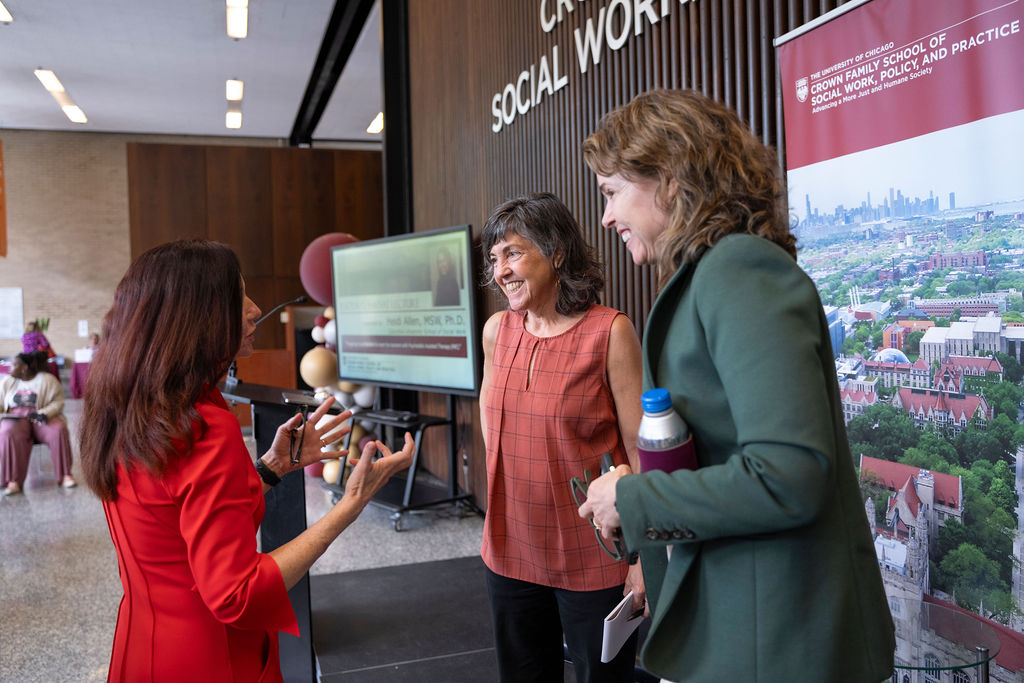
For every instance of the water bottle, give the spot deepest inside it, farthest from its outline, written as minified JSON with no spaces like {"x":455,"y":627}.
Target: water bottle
{"x":664,"y":441}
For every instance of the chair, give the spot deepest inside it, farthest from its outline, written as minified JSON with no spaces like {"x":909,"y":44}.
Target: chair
{"x":37,"y":456}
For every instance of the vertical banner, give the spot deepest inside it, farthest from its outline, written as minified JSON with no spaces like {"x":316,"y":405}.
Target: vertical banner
{"x":3,"y":206}
{"x":904,"y":126}
{"x":903,"y":107}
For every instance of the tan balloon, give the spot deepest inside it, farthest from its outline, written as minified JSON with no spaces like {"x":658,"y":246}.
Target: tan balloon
{"x":348,"y":387}
{"x":329,"y":312}
{"x":358,"y":432}
{"x":319,"y":367}
{"x":331,"y":470}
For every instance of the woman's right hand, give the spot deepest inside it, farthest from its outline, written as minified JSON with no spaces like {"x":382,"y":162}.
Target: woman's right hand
{"x":369,"y":474}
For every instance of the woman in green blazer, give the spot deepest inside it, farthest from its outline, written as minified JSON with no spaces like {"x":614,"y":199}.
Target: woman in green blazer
{"x":759,"y":565}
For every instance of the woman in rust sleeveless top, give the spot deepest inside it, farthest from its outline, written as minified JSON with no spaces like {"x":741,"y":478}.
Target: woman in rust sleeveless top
{"x":561,"y":387}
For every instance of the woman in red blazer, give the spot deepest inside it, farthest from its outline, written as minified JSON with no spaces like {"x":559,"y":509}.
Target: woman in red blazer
{"x":182,"y":498}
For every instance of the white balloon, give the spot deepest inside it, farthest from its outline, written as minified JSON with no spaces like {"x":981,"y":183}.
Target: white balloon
{"x":331,"y":333}
{"x":365,"y":394}
{"x":345,"y":399}
{"x":368,"y":426}
{"x":318,"y":335}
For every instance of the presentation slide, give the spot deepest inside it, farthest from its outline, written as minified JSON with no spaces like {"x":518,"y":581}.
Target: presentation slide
{"x":404,"y":311}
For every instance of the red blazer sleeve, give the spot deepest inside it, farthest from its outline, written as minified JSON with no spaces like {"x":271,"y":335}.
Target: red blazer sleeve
{"x":221,"y":502}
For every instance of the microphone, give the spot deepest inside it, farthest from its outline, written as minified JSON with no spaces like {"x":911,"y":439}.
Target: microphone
{"x":231,"y":380}
{"x":275,"y":309}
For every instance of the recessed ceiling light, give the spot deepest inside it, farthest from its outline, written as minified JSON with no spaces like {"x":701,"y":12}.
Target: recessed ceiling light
{"x":233,"y":119}
{"x":5,"y":15}
{"x":238,"y":18}
{"x":233,"y":90}
{"x":49,"y":80}
{"x":73,"y":112}
{"x":55,"y":88}
{"x":377,"y":125}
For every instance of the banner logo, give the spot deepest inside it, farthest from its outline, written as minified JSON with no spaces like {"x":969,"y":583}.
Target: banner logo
{"x":801,"y":89}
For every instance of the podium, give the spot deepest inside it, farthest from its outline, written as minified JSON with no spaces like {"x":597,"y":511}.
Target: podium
{"x":284,"y":519}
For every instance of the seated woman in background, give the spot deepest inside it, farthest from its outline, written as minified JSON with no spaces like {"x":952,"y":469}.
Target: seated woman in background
{"x":32,"y":403}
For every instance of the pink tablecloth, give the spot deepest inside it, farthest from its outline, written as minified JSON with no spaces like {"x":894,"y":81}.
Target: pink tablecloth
{"x":79,"y":375}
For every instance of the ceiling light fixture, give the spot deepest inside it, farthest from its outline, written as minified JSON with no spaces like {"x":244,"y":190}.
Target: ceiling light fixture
{"x":238,"y":18}
{"x":377,"y":125}
{"x":56,"y":88}
{"x":5,"y":15}
{"x":49,"y":80}
{"x":233,"y":119}
{"x":233,"y":90}
{"x":74,"y":113}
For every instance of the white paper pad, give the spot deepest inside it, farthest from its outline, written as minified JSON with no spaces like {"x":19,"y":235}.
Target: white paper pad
{"x":618,"y":627}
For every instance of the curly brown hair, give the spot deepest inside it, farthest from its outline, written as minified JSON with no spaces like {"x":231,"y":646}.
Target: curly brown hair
{"x":714,"y":176}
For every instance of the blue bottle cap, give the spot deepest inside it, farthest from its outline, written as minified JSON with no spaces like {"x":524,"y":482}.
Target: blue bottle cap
{"x":656,"y":400}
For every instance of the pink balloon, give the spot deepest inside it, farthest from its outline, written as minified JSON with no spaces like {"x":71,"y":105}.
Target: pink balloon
{"x":315,"y":265}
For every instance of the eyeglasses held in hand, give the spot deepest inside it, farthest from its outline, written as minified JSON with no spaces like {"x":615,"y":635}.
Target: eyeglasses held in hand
{"x":579,"y":494}
{"x":294,"y":454}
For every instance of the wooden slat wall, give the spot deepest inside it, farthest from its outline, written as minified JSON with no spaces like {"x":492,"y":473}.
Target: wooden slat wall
{"x":267,"y":203}
{"x":462,"y":52}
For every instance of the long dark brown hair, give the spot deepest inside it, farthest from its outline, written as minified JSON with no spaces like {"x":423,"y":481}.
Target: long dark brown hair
{"x":174,"y":328}
{"x":727,"y":180}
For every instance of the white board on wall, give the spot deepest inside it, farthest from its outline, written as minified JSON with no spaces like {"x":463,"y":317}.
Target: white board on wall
{"x":12,"y":316}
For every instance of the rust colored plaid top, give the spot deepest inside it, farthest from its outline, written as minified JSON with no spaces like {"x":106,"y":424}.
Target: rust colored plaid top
{"x":540,"y":434}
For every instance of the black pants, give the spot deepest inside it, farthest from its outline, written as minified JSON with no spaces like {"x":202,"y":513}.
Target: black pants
{"x":529,"y":623}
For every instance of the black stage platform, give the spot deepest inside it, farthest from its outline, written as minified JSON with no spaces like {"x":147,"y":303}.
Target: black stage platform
{"x":419,"y":623}
{"x":415,"y":623}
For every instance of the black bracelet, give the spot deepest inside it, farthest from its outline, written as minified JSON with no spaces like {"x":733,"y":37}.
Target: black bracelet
{"x":266,"y":474}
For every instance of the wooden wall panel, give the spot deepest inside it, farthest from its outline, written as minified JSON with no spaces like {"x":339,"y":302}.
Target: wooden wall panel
{"x":267,"y":203}
{"x":166,"y":194}
{"x":303,"y":204}
{"x":238,"y":206}
{"x":462,"y":52}
{"x":358,"y":194}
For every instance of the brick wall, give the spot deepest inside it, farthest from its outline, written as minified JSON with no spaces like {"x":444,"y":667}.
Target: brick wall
{"x":67,"y":229}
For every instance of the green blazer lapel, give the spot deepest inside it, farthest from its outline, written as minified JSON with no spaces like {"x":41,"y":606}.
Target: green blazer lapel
{"x":660,"y":318}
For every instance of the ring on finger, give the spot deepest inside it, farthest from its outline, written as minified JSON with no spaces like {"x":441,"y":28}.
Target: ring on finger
{"x":323,"y":444}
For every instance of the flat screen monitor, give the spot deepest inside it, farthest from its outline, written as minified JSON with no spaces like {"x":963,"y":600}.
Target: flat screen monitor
{"x":404,"y":309}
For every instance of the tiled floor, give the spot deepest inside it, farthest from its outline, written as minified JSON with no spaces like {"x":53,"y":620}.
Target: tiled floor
{"x":59,"y":587}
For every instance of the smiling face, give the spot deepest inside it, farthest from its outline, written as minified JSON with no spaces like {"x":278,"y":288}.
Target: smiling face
{"x":523,"y":273}
{"x":250,"y":314}
{"x":632,"y":210}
